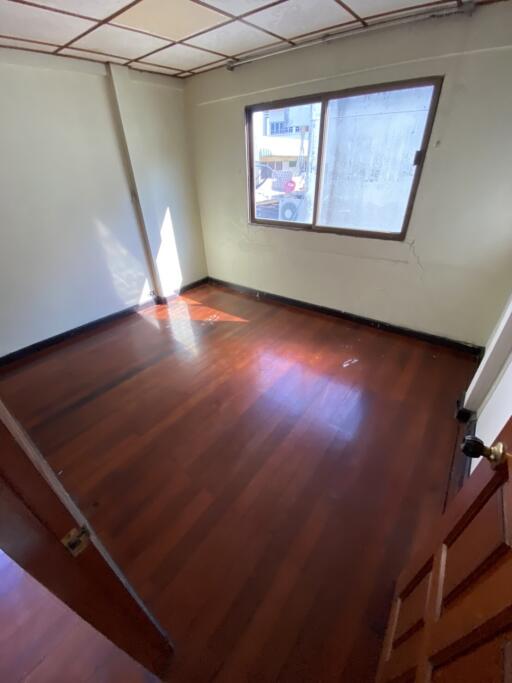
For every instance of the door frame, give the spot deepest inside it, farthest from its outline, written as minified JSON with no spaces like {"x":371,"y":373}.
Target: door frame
{"x":497,"y":352}
{"x":497,"y":357}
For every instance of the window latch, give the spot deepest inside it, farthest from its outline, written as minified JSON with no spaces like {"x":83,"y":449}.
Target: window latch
{"x":418,"y":157}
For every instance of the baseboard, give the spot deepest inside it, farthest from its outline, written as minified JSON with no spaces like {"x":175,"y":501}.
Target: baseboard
{"x":474,"y":350}
{"x":11,"y":359}
{"x":197,"y":283}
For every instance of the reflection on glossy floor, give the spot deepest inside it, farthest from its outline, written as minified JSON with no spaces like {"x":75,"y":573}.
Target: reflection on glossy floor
{"x":259,"y":472}
{"x":42,"y":641}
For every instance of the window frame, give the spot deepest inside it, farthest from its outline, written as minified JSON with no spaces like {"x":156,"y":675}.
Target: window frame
{"x":323,"y":99}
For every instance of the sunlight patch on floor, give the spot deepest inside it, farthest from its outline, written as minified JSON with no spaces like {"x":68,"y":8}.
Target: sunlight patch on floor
{"x":185,"y":308}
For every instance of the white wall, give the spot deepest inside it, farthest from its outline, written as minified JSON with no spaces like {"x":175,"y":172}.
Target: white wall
{"x":497,"y":352}
{"x":490,"y":392}
{"x":497,"y":408}
{"x":153,"y":115}
{"x":452,"y":274}
{"x":71,"y":250}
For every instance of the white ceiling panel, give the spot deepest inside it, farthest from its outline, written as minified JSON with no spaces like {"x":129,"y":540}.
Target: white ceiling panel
{"x":202,"y":32}
{"x":411,"y":9}
{"x":173,"y":19}
{"x":94,"y":56}
{"x":26,"y":45}
{"x":97,"y":9}
{"x":25,"y":21}
{"x":238,"y":7}
{"x":182,"y":57}
{"x":296,"y":17}
{"x":233,"y":38}
{"x":118,"y":41}
{"x":366,"y":8}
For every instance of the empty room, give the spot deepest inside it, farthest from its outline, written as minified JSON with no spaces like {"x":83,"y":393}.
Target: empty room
{"x":255,"y":341}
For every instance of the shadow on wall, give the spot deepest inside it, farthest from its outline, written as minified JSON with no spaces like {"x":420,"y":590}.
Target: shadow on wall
{"x":129,"y":274}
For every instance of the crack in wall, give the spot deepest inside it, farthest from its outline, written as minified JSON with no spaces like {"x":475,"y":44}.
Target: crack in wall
{"x":412,"y":249}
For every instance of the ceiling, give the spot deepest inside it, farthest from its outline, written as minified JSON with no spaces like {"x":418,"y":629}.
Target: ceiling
{"x":185,"y":37}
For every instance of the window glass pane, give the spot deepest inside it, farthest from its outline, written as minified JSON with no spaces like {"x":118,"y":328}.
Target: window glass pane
{"x":368,"y":158}
{"x":285,"y":150}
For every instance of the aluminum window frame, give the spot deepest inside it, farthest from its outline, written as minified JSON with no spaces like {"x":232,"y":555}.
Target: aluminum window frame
{"x":323,"y":99}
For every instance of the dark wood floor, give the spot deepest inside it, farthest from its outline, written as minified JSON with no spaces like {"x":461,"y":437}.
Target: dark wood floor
{"x":43,"y":641}
{"x":258,"y":471}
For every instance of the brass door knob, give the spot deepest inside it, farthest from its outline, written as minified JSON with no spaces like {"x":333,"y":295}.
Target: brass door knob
{"x":474,"y":447}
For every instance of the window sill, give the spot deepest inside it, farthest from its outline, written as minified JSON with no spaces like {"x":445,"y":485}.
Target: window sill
{"x":347,"y":232}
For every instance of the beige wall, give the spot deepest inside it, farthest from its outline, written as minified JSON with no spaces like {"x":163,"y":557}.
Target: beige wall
{"x":452,"y":274}
{"x":71,"y":250}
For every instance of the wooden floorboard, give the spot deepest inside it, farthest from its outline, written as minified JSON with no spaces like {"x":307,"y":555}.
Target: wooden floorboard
{"x":43,"y":641}
{"x":259,"y":472}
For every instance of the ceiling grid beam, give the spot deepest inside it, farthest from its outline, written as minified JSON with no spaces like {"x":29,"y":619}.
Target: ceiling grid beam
{"x":219,"y":57}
